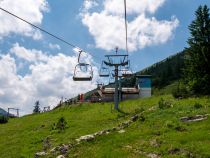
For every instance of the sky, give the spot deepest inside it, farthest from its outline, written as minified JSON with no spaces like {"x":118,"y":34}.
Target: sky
{"x":35,"y":66}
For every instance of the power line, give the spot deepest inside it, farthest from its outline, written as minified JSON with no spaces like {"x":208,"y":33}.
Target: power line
{"x":41,"y":29}
{"x":126,"y":26}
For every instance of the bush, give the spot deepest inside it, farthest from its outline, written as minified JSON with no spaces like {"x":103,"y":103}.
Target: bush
{"x":197,"y":106}
{"x":3,"y":119}
{"x":61,"y":124}
{"x":164,"y":104}
{"x":180,"y":91}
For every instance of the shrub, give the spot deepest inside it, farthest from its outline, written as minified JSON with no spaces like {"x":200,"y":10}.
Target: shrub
{"x":197,"y":106}
{"x":164,"y":104}
{"x":61,"y":124}
{"x":180,"y":91}
{"x":3,"y":119}
{"x":142,"y":118}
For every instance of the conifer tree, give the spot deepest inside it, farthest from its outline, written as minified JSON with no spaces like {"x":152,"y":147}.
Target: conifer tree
{"x":36,"y":107}
{"x":197,"y":59}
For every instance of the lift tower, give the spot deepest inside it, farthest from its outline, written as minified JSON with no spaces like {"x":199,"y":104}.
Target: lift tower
{"x":116,"y":61}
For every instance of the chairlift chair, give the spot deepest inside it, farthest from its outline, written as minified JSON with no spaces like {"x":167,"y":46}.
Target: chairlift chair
{"x":82,"y":68}
{"x":126,"y":70}
{"x":111,"y":79}
{"x":104,"y":70}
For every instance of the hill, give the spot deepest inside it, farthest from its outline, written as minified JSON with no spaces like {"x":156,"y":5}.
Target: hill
{"x":166,"y":71}
{"x":158,"y":130}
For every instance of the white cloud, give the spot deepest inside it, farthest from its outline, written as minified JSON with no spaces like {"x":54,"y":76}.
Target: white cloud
{"x":31,"y":10}
{"x":54,"y":46}
{"x":47,"y":80}
{"x":88,"y":4}
{"x":28,"y":55}
{"x":133,"y":6}
{"x":108,"y":29}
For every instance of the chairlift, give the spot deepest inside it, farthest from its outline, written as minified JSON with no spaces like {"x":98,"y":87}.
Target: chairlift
{"x":80,"y":75}
{"x":82,"y":71}
{"x":104,"y":70}
{"x":126,"y":70}
{"x":111,"y":79}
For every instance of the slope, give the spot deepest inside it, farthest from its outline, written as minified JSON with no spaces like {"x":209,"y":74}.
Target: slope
{"x":158,"y":131}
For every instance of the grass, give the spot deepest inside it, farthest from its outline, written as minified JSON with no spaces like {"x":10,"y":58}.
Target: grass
{"x":162,"y":131}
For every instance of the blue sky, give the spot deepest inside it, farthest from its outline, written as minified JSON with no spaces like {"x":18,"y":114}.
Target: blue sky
{"x":32,"y":61}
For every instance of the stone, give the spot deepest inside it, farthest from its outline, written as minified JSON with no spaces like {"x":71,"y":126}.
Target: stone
{"x":121,"y":131}
{"x":64,"y":149}
{"x":114,"y":129}
{"x":53,"y":150}
{"x":134,"y":118}
{"x":60,"y":156}
{"x":174,"y":151}
{"x":85,"y":138}
{"x":152,"y":155}
{"x":40,"y":154}
{"x":194,"y":118}
{"x":154,"y":143}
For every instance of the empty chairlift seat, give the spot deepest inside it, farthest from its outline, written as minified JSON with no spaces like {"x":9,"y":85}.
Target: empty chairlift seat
{"x":104,"y":70}
{"x":83,"y":72}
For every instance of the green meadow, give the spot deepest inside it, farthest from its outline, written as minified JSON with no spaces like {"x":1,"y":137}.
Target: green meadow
{"x":159,"y":131}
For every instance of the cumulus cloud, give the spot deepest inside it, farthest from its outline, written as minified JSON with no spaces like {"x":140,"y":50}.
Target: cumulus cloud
{"x":54,"y":46}
{"x":49,"y":78}
{"x":32,"y":55}
{"x":31,"y":10}
{"x":88,"y":4}
{"x":107,"y":26}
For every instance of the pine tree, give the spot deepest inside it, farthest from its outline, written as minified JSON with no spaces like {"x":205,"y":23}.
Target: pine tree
{"x":197,"y":59}
{"x":36,"y":107}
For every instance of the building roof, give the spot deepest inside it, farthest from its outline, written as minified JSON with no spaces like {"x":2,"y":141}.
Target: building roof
{"x":3,"y":112}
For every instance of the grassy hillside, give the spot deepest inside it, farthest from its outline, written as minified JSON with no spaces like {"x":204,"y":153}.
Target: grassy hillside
{"x":161,"y":133}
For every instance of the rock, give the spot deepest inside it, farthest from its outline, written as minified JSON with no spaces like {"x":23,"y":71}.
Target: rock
{"x":134,"y":118}
{"x":154,"y":143}
{"x":64,"y":149}
{"x":194,"y":118}
{"x":152,"y":155}
{"x":128,"y":146}
{"x":53,"y":150}
{"x":174,"y":151}
{"x":114,"y":129}
{"x":121,"y":131}
{"x":60,"y":156}
{"x":107,"y":132}
{"x":40,"y":154}
{"x":85,"y":138}
{"x":125,"y":124}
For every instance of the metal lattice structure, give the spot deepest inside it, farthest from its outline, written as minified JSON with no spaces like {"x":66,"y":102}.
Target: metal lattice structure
{"x":115,"y":62}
